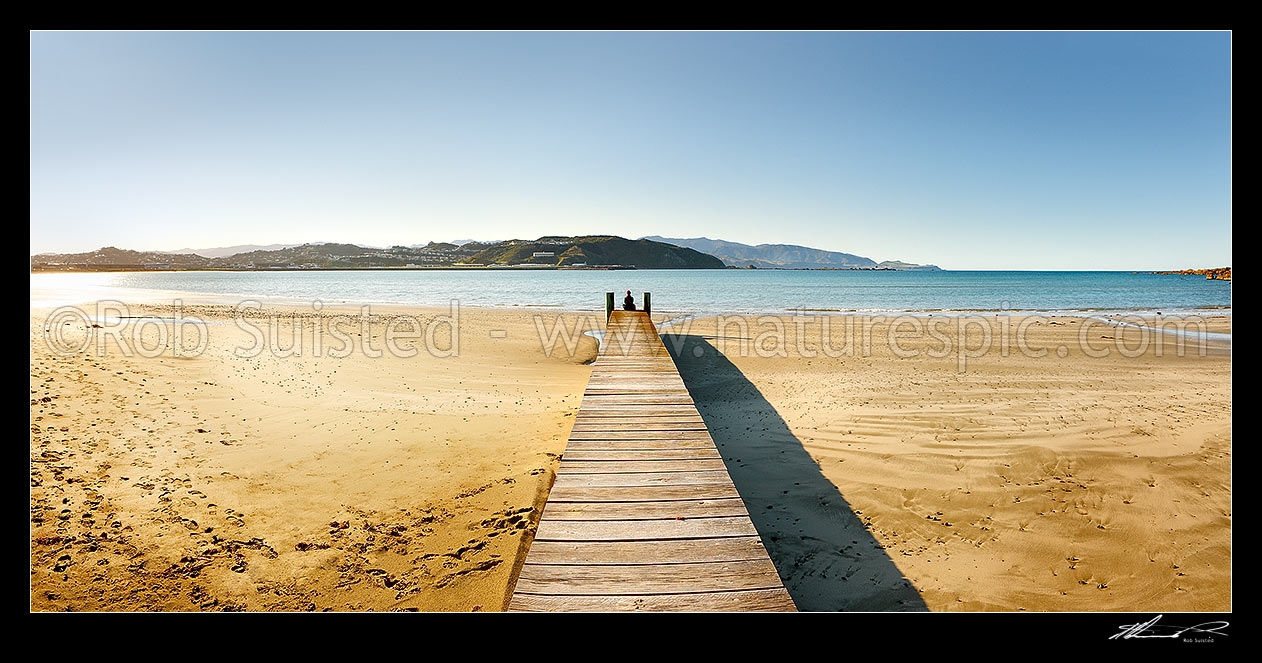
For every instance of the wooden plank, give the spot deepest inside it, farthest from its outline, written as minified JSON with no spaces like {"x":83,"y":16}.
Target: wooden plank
{"x":672,"y":413}
{"x":639,"y":407}
{"x":596,"y":442}
{"x":623,"y":383}
{"x":679,"y":551}
{"x":630,"y":420}
{"x":637,"y":396}
{"x":651,"y":465}
{"x":569,"y":480}
{"x":626,"y":392}
{"x":630,"y":552}
{"x":648,"y":579}
{"x":732,"y":506}
{"x":763,"y":600}
{"x":624,"y":379}
{"x":636,"y":412}
{"x":640,"y":419}
{"x":616,"y":435}
{"x":646,"y":401}
{"x":632,"y":409}
{"x":641,"y":493}
{"x":639,"y":454}
{"x":627,"y":530}
{"x":644,"y":416}
{"x":641,"y":395}
{"x":647,"y":427}
{"x":648,"y":423}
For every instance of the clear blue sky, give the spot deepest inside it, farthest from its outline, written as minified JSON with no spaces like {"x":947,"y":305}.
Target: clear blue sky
{"x":1077,"y":150}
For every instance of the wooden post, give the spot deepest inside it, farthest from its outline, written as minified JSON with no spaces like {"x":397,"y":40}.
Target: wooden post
{"x":648,"y":303}
{"x":608,"y":305}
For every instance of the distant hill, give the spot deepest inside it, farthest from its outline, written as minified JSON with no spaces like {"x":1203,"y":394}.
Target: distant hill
{"x":225,"y":251}
{"x":454,"y":242}
{"x":299,"y":256}
{"x":783,"y":256}
{"x":111,"y":258}
{"x":907,"y":266}
{"x":596,"y":250}
{"x":555,"y":251}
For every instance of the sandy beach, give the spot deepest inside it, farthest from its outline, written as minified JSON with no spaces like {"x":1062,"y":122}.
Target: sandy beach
{"x":878,"y":481}
{"x":293,"y":483}
{"x":1072,"y":483}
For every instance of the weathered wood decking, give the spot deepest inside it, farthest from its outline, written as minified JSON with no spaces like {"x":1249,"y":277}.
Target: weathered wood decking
{"x":643,"y":514}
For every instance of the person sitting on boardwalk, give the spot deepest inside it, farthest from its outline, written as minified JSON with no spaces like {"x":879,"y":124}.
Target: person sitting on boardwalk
{"x":628,"y":302}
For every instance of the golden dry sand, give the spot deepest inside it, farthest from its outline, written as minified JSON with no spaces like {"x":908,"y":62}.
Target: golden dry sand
{"x":878,"y":482}
{"x":293,"y":483}
{"x":1044,"y":484}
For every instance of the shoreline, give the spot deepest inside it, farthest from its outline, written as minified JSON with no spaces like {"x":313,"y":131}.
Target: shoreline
{"x":151,"y":296}
{"x":1215,"y":330}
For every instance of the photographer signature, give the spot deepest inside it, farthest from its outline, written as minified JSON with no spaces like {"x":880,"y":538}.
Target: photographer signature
{"x":1151,"y":629}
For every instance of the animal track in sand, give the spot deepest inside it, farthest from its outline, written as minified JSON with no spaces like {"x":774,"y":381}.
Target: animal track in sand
{"x":509,"y":519}
{"x":378,"y":550}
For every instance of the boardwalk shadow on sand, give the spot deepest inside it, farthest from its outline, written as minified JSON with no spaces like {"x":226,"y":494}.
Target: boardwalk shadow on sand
{"x":826,"y":557}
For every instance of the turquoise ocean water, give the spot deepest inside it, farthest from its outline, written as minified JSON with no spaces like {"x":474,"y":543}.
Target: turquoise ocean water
{"x":674,"y":291}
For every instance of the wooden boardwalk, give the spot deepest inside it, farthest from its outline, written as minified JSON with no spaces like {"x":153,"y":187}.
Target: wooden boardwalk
{"x":643,"y":514}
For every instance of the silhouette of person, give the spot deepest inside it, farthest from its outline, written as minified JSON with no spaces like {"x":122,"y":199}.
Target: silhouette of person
{"x":628,"y":302}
